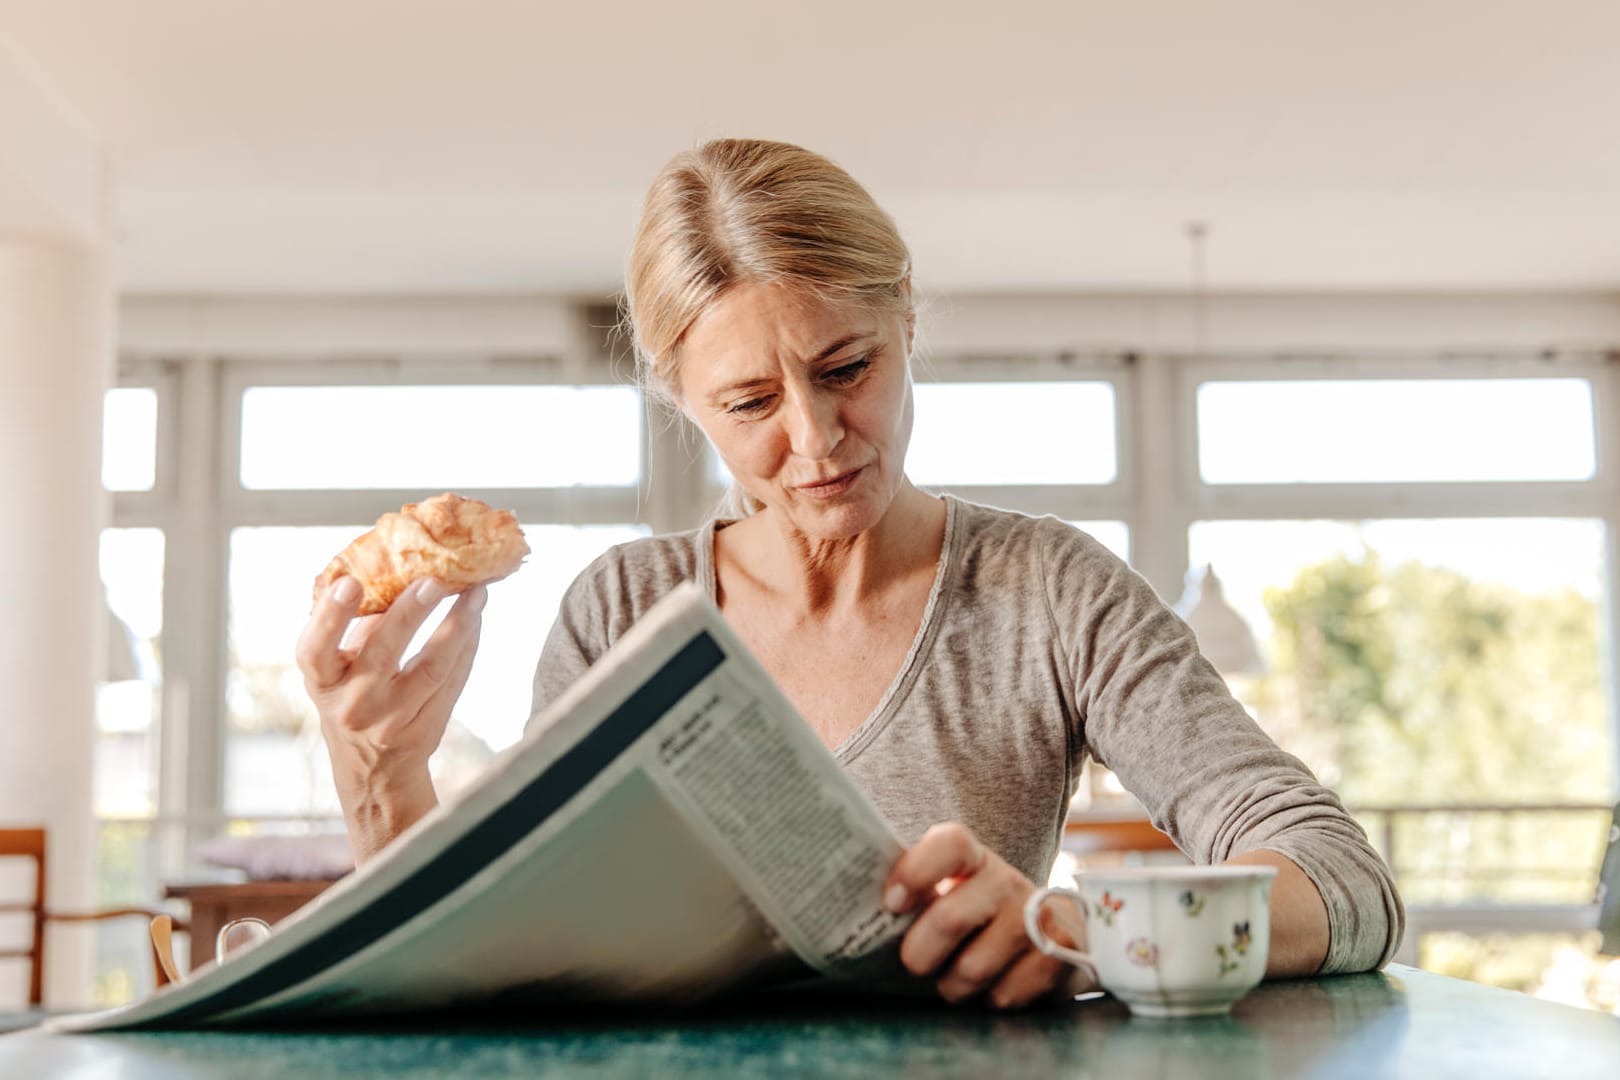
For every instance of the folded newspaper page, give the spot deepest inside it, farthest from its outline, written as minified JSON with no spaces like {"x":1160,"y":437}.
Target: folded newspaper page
{"x":670,"y":829}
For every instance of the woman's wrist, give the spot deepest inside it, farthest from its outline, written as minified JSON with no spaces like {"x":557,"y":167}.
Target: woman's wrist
{"x":1300,"y":931}
{"x":376,"y":809}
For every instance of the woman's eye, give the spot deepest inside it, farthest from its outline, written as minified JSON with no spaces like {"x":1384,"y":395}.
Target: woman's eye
{"x":752,"y":405}
{"x":843,"y":376}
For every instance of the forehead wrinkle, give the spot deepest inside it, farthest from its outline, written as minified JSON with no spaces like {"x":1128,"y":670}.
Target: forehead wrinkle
{"x":840,"y":343}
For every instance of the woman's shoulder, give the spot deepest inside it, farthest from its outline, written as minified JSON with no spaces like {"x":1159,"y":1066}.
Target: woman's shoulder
{"x":640,"y":571}
{"x":1012,"y":535}
{"x":677,"y":550}
{"x":612,"y":593}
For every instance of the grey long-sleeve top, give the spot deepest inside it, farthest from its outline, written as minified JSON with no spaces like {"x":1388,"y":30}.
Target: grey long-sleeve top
{"x":1038,"y":646}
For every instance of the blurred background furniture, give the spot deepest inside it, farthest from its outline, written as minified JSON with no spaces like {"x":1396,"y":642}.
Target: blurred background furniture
{"x":1107,"y":841}
{"x":30,"y":843}
{"x":215,"y":903}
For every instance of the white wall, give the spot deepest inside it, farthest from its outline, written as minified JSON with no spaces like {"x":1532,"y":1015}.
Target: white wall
{"x":267,"y":327}
{"x":56,"y":353}
{"x":270,"y":328}
{"x":1274,"y":322}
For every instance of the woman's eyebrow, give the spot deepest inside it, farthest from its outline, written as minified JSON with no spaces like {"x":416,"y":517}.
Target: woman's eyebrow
{"x":841,"y":343}
{"x":746,"y":384}
{"x":735,"y":387}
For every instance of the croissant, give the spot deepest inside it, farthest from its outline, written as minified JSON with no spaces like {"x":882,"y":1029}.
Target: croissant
{"x":460,"y":542}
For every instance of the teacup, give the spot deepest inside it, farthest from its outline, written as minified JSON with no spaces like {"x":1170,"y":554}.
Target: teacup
{"x":1168,"y":940}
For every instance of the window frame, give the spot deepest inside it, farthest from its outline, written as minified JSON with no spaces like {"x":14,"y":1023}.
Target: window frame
{"x":1158,"y":491}
{"x":146,"y":509}
{"x":1470,"y":498}
{"x":1597,"y":497}
{"x":1071,"y":502}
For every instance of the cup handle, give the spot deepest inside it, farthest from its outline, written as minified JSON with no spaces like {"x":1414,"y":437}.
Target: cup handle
{"x":257,"y":930}
{"x":1032,"y":923}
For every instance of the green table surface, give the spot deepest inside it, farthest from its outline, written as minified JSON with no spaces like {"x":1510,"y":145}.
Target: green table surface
{"x":1401,"y":1022}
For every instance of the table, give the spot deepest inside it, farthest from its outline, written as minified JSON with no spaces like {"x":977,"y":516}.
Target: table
{"x":1401,"y":1022}
{"x":215,"y":903}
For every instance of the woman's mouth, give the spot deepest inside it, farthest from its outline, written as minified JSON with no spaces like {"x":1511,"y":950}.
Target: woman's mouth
{"x":829,"y":489}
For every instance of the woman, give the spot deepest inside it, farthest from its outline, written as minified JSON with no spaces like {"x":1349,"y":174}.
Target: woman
{"x":961,"y":661}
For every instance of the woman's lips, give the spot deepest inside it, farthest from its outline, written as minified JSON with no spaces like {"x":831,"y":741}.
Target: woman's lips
{"x":830,"y":489}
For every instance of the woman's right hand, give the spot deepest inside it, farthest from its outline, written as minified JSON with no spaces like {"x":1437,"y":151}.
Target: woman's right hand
{"x":382,"y":720}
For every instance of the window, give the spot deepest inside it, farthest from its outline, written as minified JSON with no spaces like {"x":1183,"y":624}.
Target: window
{"x":127,"y":694}
{"x":439,"y":437}
{"x":1395,"y":431}
{"x":320,"y":455}
{"x":1427,"y":660}
{"x":129,"y":691}
{"x":1435,"y":653}
{"x":129,"y":439}
{"x":276,"y":763}
{"x":983,"y":433}
{"x":1369,"y":499}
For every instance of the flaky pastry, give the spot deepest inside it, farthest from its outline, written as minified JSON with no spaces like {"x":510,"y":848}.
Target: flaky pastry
{"x":458,"y":542}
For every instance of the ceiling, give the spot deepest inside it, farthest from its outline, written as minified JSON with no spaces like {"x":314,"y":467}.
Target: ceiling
{"x":497,"y":145}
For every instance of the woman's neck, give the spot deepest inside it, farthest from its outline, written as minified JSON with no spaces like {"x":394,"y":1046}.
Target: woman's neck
{"x":820,"y":577}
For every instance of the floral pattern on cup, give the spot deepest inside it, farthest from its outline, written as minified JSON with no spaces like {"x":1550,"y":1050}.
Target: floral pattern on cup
{"x":1228,"y":955}
{"x":1148,"y":946}
{"x":1108,"y":907}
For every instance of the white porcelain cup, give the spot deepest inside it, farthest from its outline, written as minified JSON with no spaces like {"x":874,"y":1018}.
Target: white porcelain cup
{"x":1168,"y":940}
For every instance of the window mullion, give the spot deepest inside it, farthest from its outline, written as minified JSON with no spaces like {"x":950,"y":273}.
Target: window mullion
{"x":1606,"y":408}
{"x":1159,"y":458}
{"x":191,"y":764}
{"x":359,"y":507}
{"x":1415,"y":500}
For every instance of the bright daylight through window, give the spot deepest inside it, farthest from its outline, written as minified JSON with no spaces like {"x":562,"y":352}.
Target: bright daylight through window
{"x":1433,"y":631}
{"x":1446,"y":674}
{"x":1395,"y":431}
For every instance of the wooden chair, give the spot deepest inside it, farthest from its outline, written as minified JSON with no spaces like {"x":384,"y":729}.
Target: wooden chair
{"x":29,"y":843}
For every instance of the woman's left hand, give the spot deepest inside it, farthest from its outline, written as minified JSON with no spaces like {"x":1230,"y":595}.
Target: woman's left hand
{"x":970,"y":931}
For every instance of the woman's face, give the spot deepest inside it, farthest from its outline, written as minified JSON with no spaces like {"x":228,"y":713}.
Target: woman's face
{"x":807,"y":403}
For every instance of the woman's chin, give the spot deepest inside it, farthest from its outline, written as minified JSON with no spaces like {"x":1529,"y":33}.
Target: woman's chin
{"x":834,"y":520}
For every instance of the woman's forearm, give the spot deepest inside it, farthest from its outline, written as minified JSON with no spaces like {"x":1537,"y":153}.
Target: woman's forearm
{"x":1299,"y":918}
{"x":376,"y":813}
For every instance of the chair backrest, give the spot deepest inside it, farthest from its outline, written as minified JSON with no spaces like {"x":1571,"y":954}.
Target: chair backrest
{"x":28,"y":843}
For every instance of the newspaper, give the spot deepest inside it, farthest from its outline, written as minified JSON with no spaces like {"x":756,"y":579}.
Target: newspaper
{"x":670,"y":829}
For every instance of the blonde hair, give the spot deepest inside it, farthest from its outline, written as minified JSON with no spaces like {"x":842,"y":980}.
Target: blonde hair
{"x":749,"y":210}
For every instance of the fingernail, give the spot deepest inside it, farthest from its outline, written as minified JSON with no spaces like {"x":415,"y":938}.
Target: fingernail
{"x":895,"y":898}
{"x":479,"y":597}
{"x":429,"y":592}
{"x":346,"y":591}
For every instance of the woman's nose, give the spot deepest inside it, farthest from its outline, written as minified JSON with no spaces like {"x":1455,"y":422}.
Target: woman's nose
{"x":813,"y":425}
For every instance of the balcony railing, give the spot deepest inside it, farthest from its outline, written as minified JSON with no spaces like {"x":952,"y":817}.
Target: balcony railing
{"x":1505,"y":868}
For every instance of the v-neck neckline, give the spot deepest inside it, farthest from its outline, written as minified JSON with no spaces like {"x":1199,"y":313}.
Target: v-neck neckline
{"x":927,"y":628}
